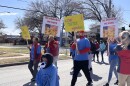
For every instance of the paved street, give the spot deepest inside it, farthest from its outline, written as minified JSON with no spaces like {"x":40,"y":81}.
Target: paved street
{"x":20,"y":75}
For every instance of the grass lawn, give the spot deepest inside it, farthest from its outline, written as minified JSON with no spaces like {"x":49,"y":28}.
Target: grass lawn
{"x":13,"y":60}
{"x":15,"y":50}
{"x":11,"y":52}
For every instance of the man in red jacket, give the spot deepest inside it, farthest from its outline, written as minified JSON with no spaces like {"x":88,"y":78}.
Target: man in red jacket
{"x":53,"y":47}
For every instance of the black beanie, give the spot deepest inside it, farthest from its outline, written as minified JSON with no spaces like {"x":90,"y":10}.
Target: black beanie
{"x":49,"y":58}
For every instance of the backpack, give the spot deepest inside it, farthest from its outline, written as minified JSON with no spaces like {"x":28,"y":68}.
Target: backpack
{"x":93,"y":47}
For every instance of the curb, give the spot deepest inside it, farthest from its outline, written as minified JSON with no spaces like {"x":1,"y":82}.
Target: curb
{"x":14,"y":64}
{"x":22,"y":63}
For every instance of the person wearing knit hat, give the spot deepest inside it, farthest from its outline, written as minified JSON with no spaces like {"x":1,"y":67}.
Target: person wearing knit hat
{"x":47,"y":74}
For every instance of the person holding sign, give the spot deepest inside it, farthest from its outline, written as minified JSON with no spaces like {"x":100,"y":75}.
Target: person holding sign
{"x":81,"y":61}
{"x":35,"y":57}
{"x":113,"y":61}
{"x":53,"y":47}
{"x":123,"y":51}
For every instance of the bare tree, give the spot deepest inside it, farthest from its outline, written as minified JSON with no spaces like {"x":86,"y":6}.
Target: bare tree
{"x":2,"y":25}
{"x":99,"y":9}
{"x":53,"y":8}
{"x":92,"y":9}
{"x":19,"y":22}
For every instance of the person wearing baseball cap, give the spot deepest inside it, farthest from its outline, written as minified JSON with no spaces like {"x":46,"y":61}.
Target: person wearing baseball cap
{"x":81,"y":61}
{"x":47,"y":74}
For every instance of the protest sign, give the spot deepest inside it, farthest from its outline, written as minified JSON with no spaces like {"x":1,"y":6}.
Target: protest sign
{"x":51,"y":26}
{"x":25,"y":33}
{"x":74,"y":23}
{"x":109,"y":28}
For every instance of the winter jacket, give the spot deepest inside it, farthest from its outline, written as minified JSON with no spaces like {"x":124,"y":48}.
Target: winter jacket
{"x":47,"y":76}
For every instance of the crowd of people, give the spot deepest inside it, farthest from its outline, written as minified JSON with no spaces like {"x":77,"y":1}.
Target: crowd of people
{"x":83,"y":51}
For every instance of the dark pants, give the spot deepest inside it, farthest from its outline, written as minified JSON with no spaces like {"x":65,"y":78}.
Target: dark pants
{"x":80,"y":65}
{"x":97,"y":54}
{"x":73,"y":60}
{"x":102,"y":52}
{"x":33,"y":67}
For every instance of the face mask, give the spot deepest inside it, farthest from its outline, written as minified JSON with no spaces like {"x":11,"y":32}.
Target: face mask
{"x":43,"y":65}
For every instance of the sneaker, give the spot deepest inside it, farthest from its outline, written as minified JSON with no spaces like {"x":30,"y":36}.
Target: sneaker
{"x":72,"y":68}
{"x":102,"y":61}
{"x":58,"y":77}
{"x":32,"y":80}
{"x":106,"y":84}
{"x":93,"y":60}
{"x":90,"y":69}
{"x":89,"y":84}
{"x":116,"y":83}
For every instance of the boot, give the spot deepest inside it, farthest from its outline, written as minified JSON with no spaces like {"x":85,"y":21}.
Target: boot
{"x":89,"y":84}
{"x":90,"y":69}
{"x":116,"y":83}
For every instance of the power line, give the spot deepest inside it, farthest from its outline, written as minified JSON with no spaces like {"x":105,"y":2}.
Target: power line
{"x":23,"y":1}
{"x":15,"y":8}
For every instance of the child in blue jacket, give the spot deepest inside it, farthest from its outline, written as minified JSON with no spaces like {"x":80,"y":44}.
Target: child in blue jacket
{"x":47,"y":75}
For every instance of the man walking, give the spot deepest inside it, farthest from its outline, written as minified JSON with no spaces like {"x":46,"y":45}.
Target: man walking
{"x":53,"y":47}
{"x":35,"y":57}
{"x":82,"y":47}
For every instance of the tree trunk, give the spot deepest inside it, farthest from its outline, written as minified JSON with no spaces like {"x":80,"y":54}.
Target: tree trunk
{"x":110,"y":12}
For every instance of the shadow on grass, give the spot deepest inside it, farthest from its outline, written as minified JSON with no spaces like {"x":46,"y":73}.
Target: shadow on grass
{"x":30,"y":84}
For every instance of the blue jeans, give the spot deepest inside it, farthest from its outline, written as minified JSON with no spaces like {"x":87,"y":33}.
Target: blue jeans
{"x":113,"y":64}
{"x":102,"y":52}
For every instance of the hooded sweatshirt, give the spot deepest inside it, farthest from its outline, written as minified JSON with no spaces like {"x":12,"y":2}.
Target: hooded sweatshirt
{"x":47,"y":76}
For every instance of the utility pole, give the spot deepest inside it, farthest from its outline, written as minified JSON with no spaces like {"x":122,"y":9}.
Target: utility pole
{"x":62,"y":15}
{"x":110,"y":9}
